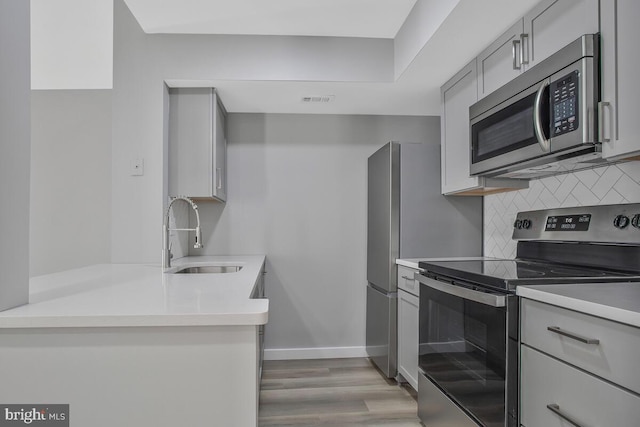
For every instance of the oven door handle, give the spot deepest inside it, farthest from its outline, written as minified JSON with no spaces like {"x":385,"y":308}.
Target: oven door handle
{"x":544,"y":143}
{"x":492,"y":299}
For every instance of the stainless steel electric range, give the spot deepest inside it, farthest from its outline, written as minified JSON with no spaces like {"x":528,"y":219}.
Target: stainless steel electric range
{"x":468,"y":354}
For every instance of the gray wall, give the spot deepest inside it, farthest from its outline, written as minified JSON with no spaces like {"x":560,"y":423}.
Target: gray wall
{"x":70,"y":179}
{"x":15,"y":138}
{"x":297,"y":193}
{"x":142,"y":62}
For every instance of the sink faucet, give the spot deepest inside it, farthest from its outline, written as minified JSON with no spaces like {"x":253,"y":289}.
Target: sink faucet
{"x":166,"y":245}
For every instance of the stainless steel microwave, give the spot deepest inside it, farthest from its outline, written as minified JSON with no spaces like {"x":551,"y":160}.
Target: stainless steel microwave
{"x":544,"y":121}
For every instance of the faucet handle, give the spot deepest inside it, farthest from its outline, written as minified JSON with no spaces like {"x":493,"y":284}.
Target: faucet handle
{"x":198,"y":243}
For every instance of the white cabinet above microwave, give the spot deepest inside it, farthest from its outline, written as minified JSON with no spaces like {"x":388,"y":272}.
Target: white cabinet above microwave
{"x":548,"y":27}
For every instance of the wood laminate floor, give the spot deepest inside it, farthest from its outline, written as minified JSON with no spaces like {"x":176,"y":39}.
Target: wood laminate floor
{"x":333,"y":392}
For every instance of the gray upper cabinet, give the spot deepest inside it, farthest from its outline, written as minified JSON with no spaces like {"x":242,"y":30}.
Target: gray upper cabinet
{"x":197,"y":144}
{"x":501,"y":61}
{"x":618,"y":110}
{"x":457,"y":95}
{"x":553,"y":24}
{"x":548,"y":27}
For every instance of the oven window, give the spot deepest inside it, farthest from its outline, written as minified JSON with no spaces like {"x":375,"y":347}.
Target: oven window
{"x":507,"y":130}
{"x":463,"y":351}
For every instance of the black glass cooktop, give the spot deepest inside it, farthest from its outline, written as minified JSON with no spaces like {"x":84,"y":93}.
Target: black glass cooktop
{"x":506,"y":274}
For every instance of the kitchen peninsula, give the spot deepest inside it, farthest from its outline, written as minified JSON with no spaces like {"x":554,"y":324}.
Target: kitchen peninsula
{"x":126,"y":344}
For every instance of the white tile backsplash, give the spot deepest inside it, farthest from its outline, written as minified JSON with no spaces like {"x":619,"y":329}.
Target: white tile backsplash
{"x":602,"y":186}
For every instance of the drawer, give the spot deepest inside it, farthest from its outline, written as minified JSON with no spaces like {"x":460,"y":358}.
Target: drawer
{"x":612,"y":358}
{"x":588,"y":400}
{"x":406,"y":281}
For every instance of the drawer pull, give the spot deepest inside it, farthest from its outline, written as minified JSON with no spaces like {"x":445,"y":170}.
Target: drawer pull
{"x":555,"y":408}
{"x":571,"y":335}
{"x":409,"y":278}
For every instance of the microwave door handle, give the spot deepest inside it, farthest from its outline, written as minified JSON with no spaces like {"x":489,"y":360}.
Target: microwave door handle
{"x":485,"y":298}
{"x":544,"y":143}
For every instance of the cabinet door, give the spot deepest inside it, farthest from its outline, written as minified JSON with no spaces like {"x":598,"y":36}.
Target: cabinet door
{"x":197,"y":144}
{"x":190,"y":148}
{"x":552,"y":390}
{"x":553,"y":24}
{"x":457,"y":95}
{"x":219,"y":150}
{"x":408,"y":337}
{"x":620,"y":33}
{"x":501,"y":61}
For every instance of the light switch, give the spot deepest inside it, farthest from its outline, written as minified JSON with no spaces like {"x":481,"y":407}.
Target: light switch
{"x":137,"y":166}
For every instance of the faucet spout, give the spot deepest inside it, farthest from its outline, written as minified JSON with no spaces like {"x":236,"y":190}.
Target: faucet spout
{"x":166,"y":230}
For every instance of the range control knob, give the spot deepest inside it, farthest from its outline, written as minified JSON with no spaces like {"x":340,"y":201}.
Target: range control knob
{"x":517,"y":224}
{"x":526,"y":224}
{"x":635,"y":221}
{"x":621,"y":221}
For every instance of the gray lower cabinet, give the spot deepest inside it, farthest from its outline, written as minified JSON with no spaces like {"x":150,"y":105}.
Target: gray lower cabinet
{"x":258,"y":293}
{"x":197,"y":144}
{"x":577,"y":369}
{"x":554,"y":392}
{"x":408,"y":318}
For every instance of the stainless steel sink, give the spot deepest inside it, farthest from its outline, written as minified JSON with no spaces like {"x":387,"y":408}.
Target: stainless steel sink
{"x":200,"y":269}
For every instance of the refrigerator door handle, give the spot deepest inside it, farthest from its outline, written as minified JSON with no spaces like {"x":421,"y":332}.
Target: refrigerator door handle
{"x":486,"y":298}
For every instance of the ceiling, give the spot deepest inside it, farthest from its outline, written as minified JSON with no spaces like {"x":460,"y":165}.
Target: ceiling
{"x":336,"y":18}
{"x":456,"y":37}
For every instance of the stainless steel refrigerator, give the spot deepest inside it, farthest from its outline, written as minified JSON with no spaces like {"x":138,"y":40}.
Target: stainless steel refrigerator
{"x":408,"y":217}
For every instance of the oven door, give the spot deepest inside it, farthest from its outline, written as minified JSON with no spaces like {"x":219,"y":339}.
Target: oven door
{"x":506,"y":134}
{"x":462,"y":351}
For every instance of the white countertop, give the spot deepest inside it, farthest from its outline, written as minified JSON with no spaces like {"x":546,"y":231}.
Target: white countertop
{"x":413,"y":262}
{"x":120,"y":295}
{"x":619,"y":302}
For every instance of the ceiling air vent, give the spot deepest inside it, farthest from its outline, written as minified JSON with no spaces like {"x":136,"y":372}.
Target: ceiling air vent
{"x":319,"y":99}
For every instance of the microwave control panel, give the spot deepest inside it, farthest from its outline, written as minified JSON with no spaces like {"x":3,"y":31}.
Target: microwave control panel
{"x":564,"y":104}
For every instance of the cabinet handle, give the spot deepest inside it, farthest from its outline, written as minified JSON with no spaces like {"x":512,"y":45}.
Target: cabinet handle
{"x":219,"y":178}
{"x":602,"y":105}
{"x":514,"y":53}
{"x":572,"y":335}
{"x":409,"y":278}
{"x":524,"y":42}
{"x":555,"y":408}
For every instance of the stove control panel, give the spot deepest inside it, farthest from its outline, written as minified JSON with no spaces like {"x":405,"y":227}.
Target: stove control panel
{"x":522,"y":224}
{"x":605,"y":224}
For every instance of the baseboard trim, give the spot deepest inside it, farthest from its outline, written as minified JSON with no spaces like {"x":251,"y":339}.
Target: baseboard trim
{"x":314,"y":353}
